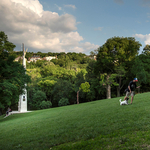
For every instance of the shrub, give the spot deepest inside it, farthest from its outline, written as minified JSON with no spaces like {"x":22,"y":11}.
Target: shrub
{"x":45,"y":104}
{"x":38,"y":97}
{"x":63,"y":102}
{"x":62,"y":89}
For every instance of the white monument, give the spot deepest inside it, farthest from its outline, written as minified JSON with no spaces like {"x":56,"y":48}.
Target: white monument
{"x":22,"y":104}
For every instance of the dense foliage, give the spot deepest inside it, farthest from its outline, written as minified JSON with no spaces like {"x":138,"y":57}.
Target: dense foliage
{"x":113,"y":59}
{"x":12,"y":74}
{"x":74,"y":76}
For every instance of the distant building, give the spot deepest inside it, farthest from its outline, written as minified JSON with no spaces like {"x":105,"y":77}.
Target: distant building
{"x":49,"y":58}
{"x":34,"y":58}
{"x":92,"y":57}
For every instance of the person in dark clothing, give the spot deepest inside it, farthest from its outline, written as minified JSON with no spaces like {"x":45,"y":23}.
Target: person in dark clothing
{"x":8,"y":110}
{"x":131,"y":88}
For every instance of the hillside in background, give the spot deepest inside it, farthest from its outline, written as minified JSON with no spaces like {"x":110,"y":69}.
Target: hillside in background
{"x":70,"y":78}
{"x":94,"y":125}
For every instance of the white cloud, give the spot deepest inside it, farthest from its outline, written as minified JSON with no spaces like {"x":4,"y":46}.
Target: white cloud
{"x":85,"y":46}
{"x":59,"y":8}
{"x":33,"y":5}
{"x":89,"y":47}
{"x":25,"y":21}
{"x":71,"y":6}
{"x":99,"y":28}
{"x":145,"y":38}
{"x":77,"y":49}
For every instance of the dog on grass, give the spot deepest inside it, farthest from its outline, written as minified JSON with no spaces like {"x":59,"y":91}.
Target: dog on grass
{"x":125,"y":102}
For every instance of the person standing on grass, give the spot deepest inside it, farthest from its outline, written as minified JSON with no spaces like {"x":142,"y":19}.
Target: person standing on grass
{"x":131,"y":88}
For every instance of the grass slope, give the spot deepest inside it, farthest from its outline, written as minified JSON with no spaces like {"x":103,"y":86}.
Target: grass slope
{"x":95,"y":125}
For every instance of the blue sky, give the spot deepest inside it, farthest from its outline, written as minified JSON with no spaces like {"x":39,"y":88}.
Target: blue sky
{"x":74,"y":25}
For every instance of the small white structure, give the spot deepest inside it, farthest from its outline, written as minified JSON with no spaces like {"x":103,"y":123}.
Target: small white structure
{"x":34,"y":58}
{"x":49,"y":58}
{"x":22,"y":104}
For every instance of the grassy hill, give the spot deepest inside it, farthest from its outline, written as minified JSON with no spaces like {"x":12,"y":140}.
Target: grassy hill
{"x":95,"y":125}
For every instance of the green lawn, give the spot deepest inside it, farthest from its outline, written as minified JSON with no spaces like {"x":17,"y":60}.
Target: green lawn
{"x":102,"y":124}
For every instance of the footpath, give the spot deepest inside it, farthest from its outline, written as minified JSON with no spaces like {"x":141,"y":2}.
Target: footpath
{"x":16,"y":112}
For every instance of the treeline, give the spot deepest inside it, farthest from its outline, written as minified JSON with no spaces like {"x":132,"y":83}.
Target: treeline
{"x":30,"y":54}
{"x":78,"y":57}
{"x":74,"y":75}
{"x":68,"y":61}
{"x":118,"y":62}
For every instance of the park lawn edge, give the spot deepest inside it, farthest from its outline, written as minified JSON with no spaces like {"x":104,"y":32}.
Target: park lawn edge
{"x":121,"y":126}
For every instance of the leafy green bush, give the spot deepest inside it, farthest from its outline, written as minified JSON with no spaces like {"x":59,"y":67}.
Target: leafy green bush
{"x":62,"y":89}
{"x":45,"y":104}
{"x":38,"y":97}
{"x":63,"y":102}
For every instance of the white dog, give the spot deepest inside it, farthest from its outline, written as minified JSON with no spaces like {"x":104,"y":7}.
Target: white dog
{"x":125,"y":102}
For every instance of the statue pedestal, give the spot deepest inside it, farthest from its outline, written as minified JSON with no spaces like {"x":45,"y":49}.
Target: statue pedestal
{"x":22,"y":105}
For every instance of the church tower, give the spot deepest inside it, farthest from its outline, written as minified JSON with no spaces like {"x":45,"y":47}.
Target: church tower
{"x":22,"y":104}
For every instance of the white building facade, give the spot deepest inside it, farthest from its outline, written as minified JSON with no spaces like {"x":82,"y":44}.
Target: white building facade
{"x":49,"y":58}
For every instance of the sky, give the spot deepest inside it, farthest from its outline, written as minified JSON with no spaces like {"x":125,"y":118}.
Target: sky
{"x":73,"y":25}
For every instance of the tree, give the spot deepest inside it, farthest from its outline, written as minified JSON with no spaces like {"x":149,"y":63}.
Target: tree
{"x":47,"y":86}
{"x":146,"y":49}
{"x":12,"y":74}
{"x":96,"y":89}
{"x":45,"y":104}
{"x":80,"y":78}
{"x":93,"y":53}
{"x":63,"y":102}
{"x":120,"y":73}
{"x":84,"y":87}
{"x":37,"y":101}
{"x":116,"y":52}
{"x":107,"y":81}
{"x":141,"y":70}
{"x":62,"y":89}
{"x":58,"y":72}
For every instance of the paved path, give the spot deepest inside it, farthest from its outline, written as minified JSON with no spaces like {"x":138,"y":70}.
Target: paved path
{"x":16,"y":112}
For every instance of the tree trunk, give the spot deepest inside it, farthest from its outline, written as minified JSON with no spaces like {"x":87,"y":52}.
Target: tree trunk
{"x":108,"y":89}
{"x":78,"y":97}
{"x":118,"y":91}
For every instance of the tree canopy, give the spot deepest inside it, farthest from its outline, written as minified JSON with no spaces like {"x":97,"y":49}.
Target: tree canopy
{"x":12,"y":74}
{"x":116,"y":52}
{"x":58,"y":82}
